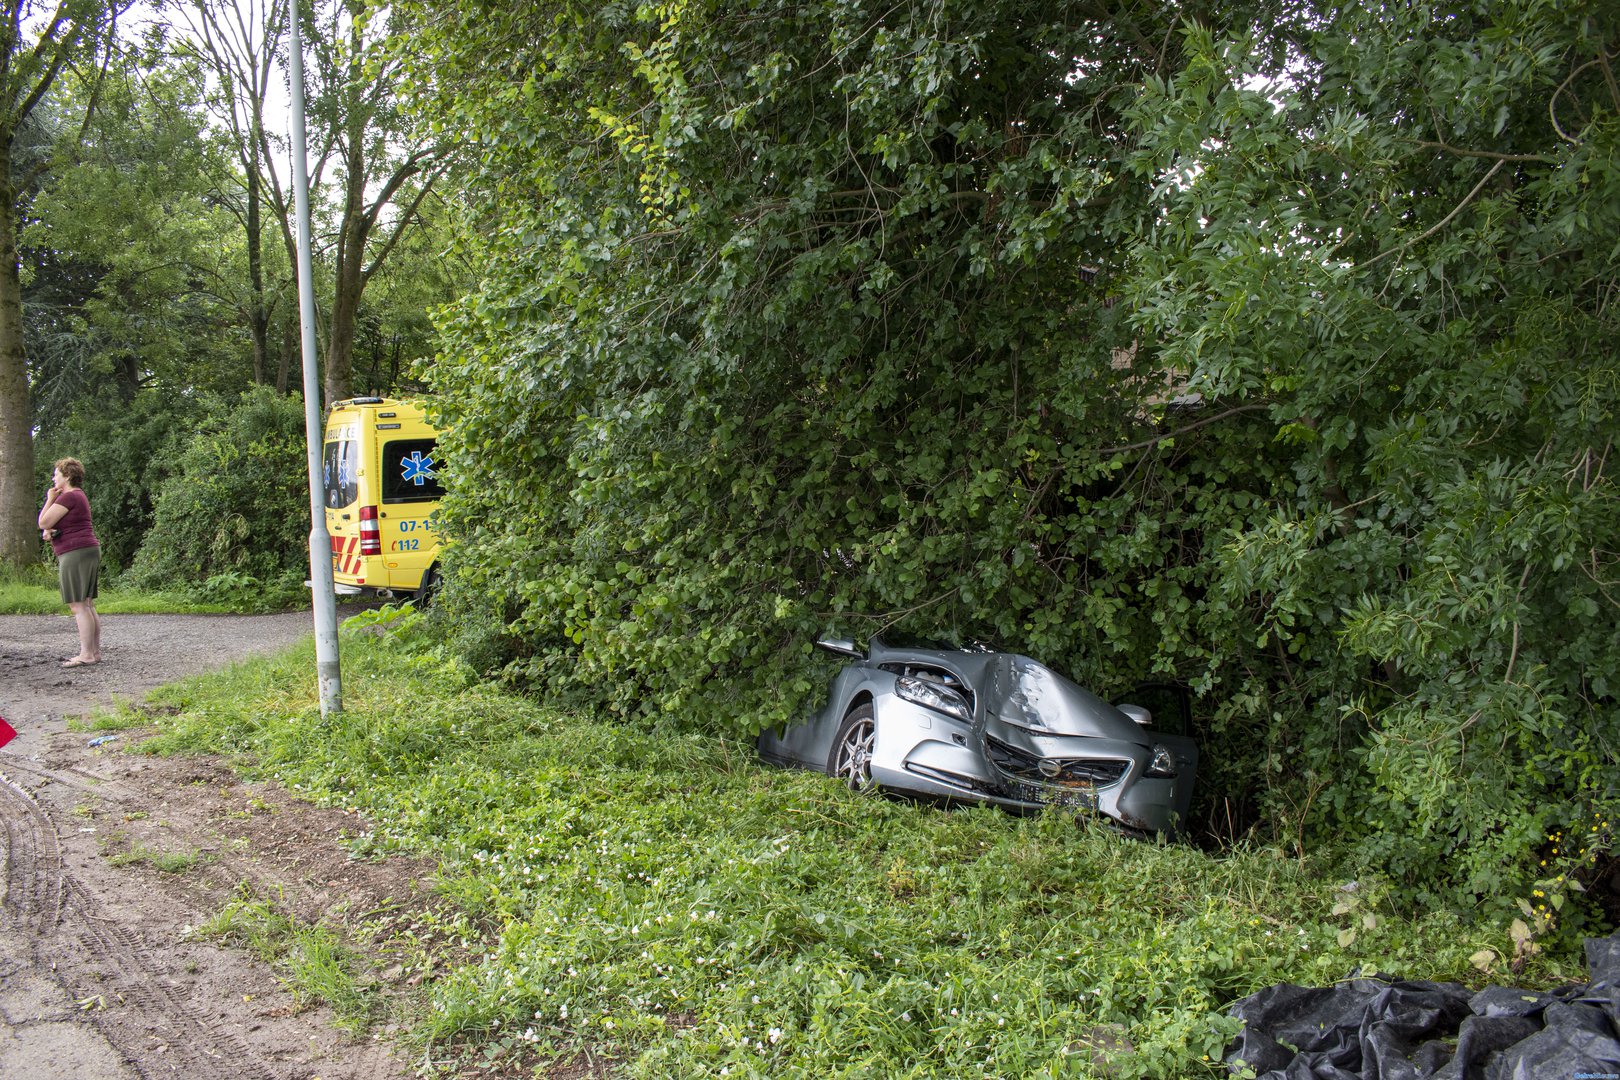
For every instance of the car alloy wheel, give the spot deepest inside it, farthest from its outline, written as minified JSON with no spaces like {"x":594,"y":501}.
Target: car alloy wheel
{"x":852,"y":749}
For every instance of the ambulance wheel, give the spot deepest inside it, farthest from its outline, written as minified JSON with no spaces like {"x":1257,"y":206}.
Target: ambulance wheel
{"x":430,"y":587}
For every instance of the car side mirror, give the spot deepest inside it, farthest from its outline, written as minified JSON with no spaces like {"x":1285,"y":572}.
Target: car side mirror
{"x":841,"y":647}
{"x":1143,"y":717}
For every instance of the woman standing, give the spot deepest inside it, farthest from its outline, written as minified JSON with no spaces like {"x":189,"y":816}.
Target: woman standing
{"x":65,"y":522}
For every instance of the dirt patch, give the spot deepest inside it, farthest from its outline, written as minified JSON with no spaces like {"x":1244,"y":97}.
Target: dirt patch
{"x":111,"y":859}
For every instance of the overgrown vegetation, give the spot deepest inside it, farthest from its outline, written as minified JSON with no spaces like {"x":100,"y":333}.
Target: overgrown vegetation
{"x":128,"y":449}
{"x":236,"y":507}
{"x":1265,"y":348}
{"x":658,"y":896}
{"x":200,"y":505}
{"x":216,"y":520}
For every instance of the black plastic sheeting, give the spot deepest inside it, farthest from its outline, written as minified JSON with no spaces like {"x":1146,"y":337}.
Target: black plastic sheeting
{"x":1380,"y":1029}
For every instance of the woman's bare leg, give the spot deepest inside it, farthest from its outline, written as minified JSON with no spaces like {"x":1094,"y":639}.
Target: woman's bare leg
{"x":89,"y":624}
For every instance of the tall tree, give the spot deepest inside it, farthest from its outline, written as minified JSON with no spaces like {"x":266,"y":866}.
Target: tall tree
{"x":368,"y":174}
{"x":240,"y":44}
{"x":133,"y":268}
{"x":37,"y":43}
{"x":385,"y":167}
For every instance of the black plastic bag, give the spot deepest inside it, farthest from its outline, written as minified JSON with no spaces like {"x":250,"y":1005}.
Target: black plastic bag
{"x":1384,"y":1029}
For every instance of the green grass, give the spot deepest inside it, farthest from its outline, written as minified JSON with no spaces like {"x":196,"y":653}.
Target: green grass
{"x":666,"y":900}
{"x":317,"y":966}
{"x":32,"y":590}
{"x":167,"y":862}
{"x":121,"y":715}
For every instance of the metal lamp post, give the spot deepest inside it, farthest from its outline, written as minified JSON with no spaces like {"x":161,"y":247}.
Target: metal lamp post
{"x":327,"y":665}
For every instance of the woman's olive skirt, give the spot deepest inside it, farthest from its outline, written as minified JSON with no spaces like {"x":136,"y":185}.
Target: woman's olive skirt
{"x":80,"y":572}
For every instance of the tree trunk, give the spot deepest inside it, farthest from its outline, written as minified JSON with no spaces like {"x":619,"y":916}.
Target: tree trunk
{"x":340,"y":342}
{"x":127,"y":372}
{"x":284,"y":369}
{"x":258,"y":317}
{"x":349,"y":277}
{"x":19,"y":539}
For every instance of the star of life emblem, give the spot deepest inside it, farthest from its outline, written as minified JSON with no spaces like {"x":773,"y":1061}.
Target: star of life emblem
{"x":417,"y":469}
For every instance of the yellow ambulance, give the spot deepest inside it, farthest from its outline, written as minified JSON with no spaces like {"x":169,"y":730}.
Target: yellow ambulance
{"x":381,"y":470}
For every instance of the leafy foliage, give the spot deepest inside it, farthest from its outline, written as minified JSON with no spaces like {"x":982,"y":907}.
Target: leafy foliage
{"x":128,"y":255}
{"x":129,"y":450}
{"x":812,"y":351}
{"x":842,"y":317}
{"x":1410,"y":254}
{"x":236,"y":511}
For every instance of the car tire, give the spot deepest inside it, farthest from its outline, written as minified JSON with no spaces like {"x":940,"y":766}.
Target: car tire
{"x":851,"y":759}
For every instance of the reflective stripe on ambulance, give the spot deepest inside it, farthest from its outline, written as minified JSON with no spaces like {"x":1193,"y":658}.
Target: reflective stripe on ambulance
{"x":344,"y":559}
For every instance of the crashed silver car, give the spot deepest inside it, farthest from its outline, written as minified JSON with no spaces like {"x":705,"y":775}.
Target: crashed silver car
{"x":974,"y":725}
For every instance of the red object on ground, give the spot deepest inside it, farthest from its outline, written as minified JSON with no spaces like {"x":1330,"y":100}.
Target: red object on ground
{"x":7,"y":732}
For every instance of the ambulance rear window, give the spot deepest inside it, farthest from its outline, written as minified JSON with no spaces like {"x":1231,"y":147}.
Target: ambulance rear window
{"x":410,"y":470}
{"x":340,"y":462}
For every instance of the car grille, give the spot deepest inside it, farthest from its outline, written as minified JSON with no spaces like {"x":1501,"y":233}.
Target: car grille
{"x":1074,"y":774}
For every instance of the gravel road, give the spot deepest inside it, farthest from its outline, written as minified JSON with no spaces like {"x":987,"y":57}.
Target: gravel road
{"x":101,"y":977}
{"x":142,"y":653}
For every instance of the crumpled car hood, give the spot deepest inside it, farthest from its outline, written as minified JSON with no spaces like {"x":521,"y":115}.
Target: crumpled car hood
{"x":1029,"y":695}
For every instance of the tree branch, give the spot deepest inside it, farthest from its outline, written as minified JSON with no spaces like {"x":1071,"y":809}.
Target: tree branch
{"x":1145,"y":443}
{"x":1490,"y":155}
{"x":399,"y":229}
{"x":1442,"y":223}
{"x":1552,"y":102}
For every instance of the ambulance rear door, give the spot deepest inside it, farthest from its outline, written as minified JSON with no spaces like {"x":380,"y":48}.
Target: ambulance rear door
{"x":341,"y":466}
{"x":411,"y":490}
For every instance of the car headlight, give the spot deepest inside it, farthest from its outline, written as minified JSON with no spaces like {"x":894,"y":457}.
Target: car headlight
{"x":934,"y":696}
{"x":1162,"y":764}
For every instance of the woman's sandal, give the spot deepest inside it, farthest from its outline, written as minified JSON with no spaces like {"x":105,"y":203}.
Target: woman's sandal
{"x":74,"y":661}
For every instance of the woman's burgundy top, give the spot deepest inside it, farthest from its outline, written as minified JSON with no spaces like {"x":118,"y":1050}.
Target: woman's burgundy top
{"x":73,"y":531}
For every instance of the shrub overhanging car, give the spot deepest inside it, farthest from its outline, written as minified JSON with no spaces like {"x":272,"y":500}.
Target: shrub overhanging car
{"x":972,"y":725}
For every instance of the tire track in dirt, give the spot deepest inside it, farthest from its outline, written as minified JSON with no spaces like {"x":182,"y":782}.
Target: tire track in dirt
{"x":193,"y":1044}
{"x":222,"y":870}
{"x":44,"y":902}
{"x":49,"y":905}
{"x":33,"y":884}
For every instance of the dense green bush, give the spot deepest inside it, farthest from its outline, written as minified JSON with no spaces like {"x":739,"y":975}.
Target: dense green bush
{"x":724,"y":415}
{"x":842,"y":317}
{"x":1410,"y":256}
{"x":128,"y":450}
{"x":237,"y":507}
{"x":473,"y":609}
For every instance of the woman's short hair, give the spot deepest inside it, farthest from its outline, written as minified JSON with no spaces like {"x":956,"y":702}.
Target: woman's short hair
{"x":72,"y":471}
